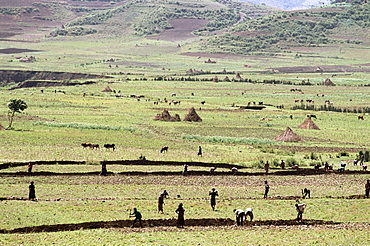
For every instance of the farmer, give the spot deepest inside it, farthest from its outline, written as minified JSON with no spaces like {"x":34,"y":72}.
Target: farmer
{"x":103,"y":169}
{"x":213,"y":195}
{"x":267,"y":188}
{"x":160,"y":203}
{"x":282,"y":164}
{"x":185,"y":171}
{"x":306,"y":192}
{"x":137,"y":216}
{"x":300,"y":209}
{"x":32,"y":193}
{"x":239,"y":214}
{"x":200,"y":151}
{"x":249,"y":212}
{"x":165,"y":193}
{"x":29,"y":167}
{"x":267,"y":167}
{"x":180,"y":216}
{"x":367,"y":189}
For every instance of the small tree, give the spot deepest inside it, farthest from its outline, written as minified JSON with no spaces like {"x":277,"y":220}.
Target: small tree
{"x":15,"y":106}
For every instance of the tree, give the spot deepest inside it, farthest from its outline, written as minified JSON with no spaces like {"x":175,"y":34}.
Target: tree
{"x":15,"y":106}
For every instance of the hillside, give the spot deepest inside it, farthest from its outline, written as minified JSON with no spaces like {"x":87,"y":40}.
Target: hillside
{"x":291,"y":4}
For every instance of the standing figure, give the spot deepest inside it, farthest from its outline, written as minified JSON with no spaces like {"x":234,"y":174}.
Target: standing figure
{"x":212,"y":170}
{"x":137,"y":216}
{"x":300,"y":209}
{"x":267,"y":188}
{"x":165,"y":194}
{"x":160,"y":203}
{"x":32,"y":193}
{"x":29,"y":167}
{"x":367,"y":189}
{"x":180,"y":216}
{"x":200,"y":151}
{"x":282,"y":164}
{"x":239,"y":214}
{"x":213,"y":195}
{"x":103,"y":169}
{"x":185,"y":171}
{"x":267,"y":167}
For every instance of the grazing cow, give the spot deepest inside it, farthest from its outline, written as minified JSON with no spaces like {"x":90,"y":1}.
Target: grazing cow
{"x":110,"y":146}
{"x":311,"y":116}
{"x":360,"y":117}
{"x":203,"y":102}
{"x":173,"y":94}
{"x":164,"y":149}
{"x":94,"y":146}
{"x":85,"y":145}
{"x":364,"y":167}
{"x":296,"y":100}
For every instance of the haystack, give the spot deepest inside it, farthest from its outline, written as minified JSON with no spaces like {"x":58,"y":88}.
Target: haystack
{"x":215,"y":79}
{"x":192,"y":116}
{"x":165,"y":116}
{"x":328,"y":82}
{"x":107,"y":89}
{"x":289,"y":136}
{"x":308,"y":124}
{"x":226,"y":79}
{"x":237,"y":76}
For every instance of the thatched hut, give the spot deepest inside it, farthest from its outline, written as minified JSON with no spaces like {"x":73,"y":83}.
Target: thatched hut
{"x":237,"y":76}
{"x":165,"y":116}
{"x":192,"y":116}
{"x":328,"y":82}
{"x":226,"y":79}
{"x":289,"y":136}
{"x":215,"y":79}
{"x":308,"y":124}
{"x":107,"y":89}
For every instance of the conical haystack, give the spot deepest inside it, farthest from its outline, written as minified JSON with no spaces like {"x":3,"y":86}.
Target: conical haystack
{"x":107,"y":89}
{"x":192,"y":116}
{"x":308,"y":124}
{"x":289,"y":136}
{"x":328,"y":82}
{"x":165,"y":116}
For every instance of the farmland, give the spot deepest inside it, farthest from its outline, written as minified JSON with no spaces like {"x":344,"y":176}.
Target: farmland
{"x":63,"y":79}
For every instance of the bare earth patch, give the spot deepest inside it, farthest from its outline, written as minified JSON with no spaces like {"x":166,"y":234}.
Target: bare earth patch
{"x":182,"y":29}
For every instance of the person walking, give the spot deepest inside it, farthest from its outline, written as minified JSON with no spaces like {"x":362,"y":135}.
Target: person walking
{"x":160,"y":203}
{"x":367,"y":189}
{"x":213,"y":195}
{"x":267,"y":189}
{"x":32,"y":192}
{"x":200,"y":151}
{"x":180,"y":216}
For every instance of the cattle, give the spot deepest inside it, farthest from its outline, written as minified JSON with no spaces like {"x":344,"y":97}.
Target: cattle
{"x":203,"y":102}
{"x":296,"y":100}
{"x":94,"y":146}
{"x":85,"y":145}
{"x":173,"y":94}
{"x":110,"y":146}
{"x":360,"y":117}
{"x":364,"y":167}
{"x":164,"y":149}
{"x":311,"y":116}
{"x":310,"y":101}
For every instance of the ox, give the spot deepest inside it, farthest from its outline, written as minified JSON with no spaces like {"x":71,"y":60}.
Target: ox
{"x":85,"y":145}
{"x":164,"y":149}
{"x":110,"y":146}
{"x":360,"y":117}
{"x":94,"y":146}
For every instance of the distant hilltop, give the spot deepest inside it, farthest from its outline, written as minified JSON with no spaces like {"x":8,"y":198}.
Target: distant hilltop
{"x":291,"y":4}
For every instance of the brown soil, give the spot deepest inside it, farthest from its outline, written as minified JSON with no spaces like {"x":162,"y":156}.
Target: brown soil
{"x":182,"y":29}
{"x":163,"y":223}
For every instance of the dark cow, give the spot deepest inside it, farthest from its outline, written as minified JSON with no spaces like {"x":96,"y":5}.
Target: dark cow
{"x":164,"y":149}
{"x":203,"y":102}
{"x":94,"y":146}
{"x":311,"y":116}
{"x":85,"y":145}
{"x":360,"y":117}
{"x":110,"y":146}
